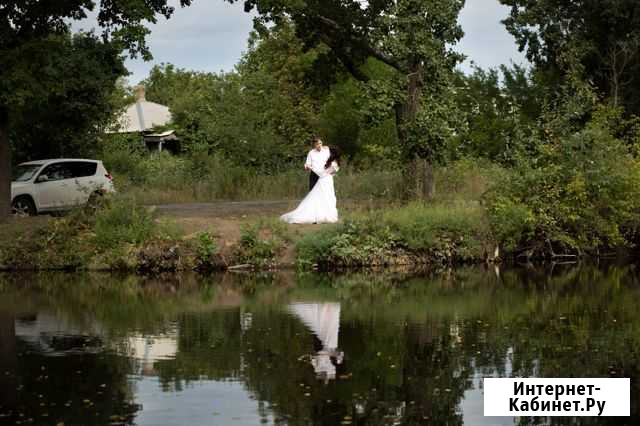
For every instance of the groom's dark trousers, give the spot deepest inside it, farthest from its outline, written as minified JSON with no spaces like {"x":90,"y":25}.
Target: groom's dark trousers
{"x":313,"y":178}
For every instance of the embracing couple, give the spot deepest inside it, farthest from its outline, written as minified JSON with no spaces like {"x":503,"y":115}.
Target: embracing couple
{"x":319,"y":206}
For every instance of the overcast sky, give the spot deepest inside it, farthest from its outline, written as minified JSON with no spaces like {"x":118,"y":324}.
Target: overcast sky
{"x":212,"y":35}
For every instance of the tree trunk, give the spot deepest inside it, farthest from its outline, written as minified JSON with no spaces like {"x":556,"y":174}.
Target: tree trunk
{"x":418,"y":171}
{"x":5,"y":166}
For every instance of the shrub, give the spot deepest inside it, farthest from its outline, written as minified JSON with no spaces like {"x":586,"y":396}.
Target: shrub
{"x":207,"y":246}
{"x":121,"y":221}
{"x":207,"y":253}
{"x":402,"y":235}
{"x":255,"y":247}
{"x":513,"y":222}
{"x":466,"y":179}
{"x":122,"y":155}
{"x":576,"y":190}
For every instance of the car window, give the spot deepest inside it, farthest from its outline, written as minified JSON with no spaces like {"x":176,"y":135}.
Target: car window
{"x":83,"y":168}
{"x":25,"y":172}
{"x":57,"y":171}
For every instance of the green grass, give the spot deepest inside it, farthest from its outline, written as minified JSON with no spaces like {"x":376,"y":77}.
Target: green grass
{"x":420,"y":225}
{"x":415,"y":233}
{"x":291,"y":185}
{"x":165,"y":179}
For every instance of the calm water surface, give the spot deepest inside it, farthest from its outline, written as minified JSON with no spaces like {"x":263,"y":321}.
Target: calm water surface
{"x":360,"y":349}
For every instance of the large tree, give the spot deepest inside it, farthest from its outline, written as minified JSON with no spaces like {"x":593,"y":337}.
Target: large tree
{"x":28,"y":23}
{"x":69,"y":118}
{"x":413,"y":38}
{"x":599,"y":41}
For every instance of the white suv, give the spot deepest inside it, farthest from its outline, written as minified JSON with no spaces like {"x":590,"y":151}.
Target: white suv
{"x":54,"y":185}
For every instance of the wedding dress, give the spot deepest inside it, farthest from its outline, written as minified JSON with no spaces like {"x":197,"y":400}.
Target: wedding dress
{"x":319,"y":206}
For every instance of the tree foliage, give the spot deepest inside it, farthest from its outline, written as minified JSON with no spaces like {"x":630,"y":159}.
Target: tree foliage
{"x":66,"y":118}
{"x":412,"y":37}
{"x":495,"y":108}
{"x":575,"y":188}
{"x":598,"y":40}
{"x":264,"y":113}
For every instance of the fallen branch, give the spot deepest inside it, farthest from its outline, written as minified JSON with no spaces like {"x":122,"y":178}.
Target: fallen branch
{"x":240,"y":267}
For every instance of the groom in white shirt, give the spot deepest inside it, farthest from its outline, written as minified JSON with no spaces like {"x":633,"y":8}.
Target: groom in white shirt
{"x":316,"y":160}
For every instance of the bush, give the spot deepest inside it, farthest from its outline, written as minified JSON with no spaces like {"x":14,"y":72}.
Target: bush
{"x":466,"y":179}
{"x":122,"y":155}
{"x":121,"y":221}
{"x":416,"y":233}
{"x":207,"y":253}
{"x":423,"y":227}
{"x":257,"y":246}
{"x":575,"y":191}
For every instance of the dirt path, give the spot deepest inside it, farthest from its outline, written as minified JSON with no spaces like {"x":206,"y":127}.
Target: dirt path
{"x":226,"y":218}
{"x":226,"y":209}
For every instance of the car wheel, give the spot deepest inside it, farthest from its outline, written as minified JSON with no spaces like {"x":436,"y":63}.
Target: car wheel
{"x":23,"y":206}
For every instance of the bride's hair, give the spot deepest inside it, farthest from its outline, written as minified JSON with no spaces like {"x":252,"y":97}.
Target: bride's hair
{"x":334,"y":155}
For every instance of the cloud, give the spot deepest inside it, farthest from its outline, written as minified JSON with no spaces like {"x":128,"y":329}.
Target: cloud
{"x":487,"y":42}
{"x":206,"y":36}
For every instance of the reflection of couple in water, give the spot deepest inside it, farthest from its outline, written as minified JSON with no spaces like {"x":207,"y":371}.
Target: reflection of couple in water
{"x":324,"y":320}
{"x":323,"y":363}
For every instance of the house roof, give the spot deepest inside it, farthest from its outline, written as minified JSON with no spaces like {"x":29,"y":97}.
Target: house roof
{"x":142,"y":115}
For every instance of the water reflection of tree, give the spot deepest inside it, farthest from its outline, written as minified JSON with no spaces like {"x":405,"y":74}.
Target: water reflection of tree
{"x":82,"y":387}
{"x":408,"y":374}
{"x":411,"y":344}
{"x":8,"y":362}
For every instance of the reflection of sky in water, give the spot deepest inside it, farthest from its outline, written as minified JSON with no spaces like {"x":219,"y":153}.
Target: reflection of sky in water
{"x":472,"y":404}
{"x":203,"y":402}
{"x":200,"y":403}
{"x":472,"y":407}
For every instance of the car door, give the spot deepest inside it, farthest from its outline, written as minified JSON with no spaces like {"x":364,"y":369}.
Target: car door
{"x":54,"y":187}
{"x":84,"y":182}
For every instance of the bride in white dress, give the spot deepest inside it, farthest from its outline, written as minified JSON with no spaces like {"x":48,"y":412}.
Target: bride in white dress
{"x":319,"y":206}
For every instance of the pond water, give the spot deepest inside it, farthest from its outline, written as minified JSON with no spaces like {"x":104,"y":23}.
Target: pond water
{"x":288,"y":349}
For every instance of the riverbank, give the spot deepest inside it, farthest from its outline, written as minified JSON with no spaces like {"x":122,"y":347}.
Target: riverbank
{"x":374,"y":231}
{"x":124,"y":237}
{"x":481,"y":212}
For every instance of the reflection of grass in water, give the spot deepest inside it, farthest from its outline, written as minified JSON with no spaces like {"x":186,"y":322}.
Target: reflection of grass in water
{"x":130,"y":301}
{"x":471,"y":292}
{"x":117,"y":303}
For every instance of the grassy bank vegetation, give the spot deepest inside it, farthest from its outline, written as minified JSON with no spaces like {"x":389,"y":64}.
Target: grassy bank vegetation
{"x":124,"y":235}
{"x":162,"y":178}
{"x":409,"y":235}
{"x":106,"y":238}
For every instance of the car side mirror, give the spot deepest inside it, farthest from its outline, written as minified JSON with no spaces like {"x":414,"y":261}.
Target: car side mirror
{"x":42,"y":178}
